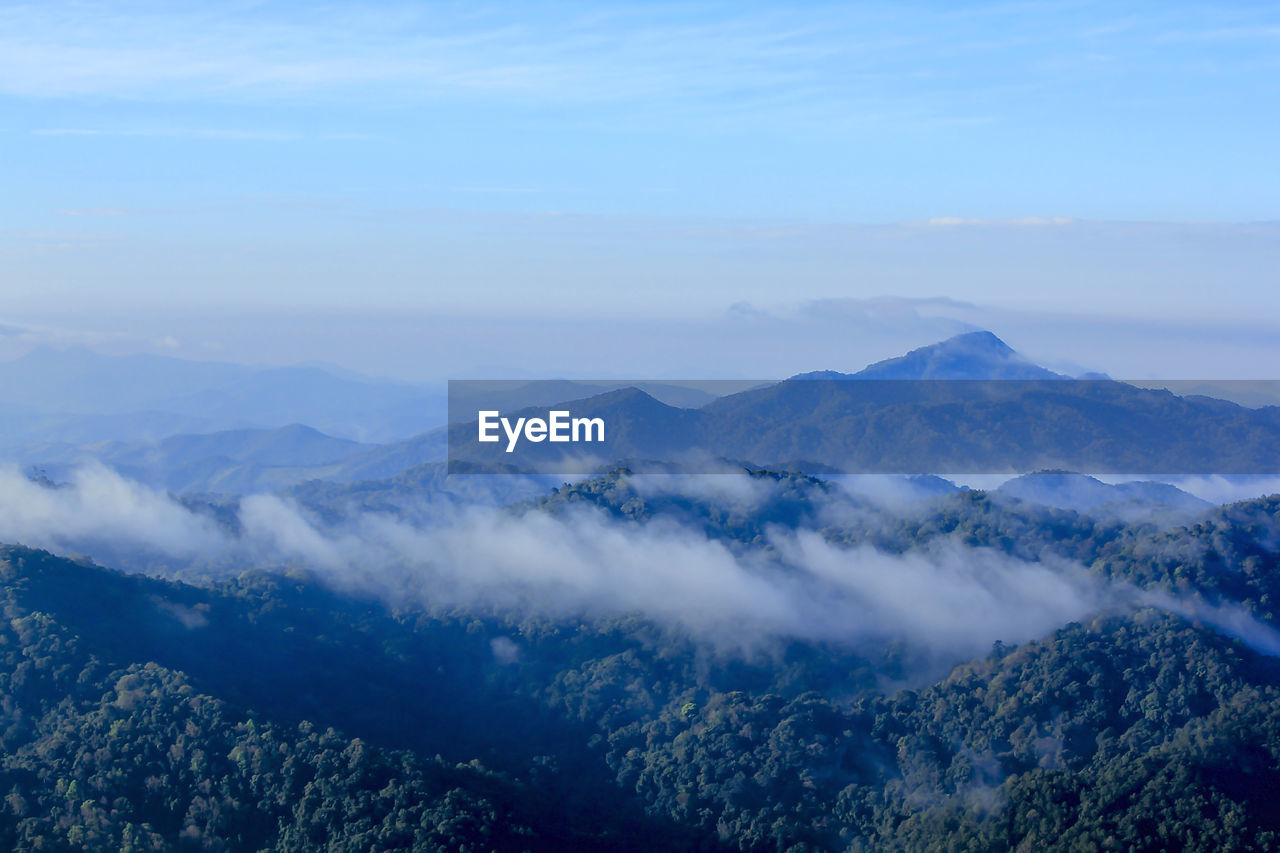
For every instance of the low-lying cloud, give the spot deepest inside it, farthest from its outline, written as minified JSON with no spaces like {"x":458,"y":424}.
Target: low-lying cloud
{"x":99,"y":506}
{"x":947,"y":602}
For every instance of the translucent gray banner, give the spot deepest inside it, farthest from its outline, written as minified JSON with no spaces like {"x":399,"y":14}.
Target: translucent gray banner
{"x":828,"y":423}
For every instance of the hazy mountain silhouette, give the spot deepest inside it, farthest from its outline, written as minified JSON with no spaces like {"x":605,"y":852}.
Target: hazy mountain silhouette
{"x":77,"y":395}
{"x":972,"y":355}
{"x":927,"y":412}
{"x":1066,"y":490}
{"x":231,"y":461}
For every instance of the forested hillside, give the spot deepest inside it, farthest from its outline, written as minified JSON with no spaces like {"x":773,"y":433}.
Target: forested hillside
{"x":632,"y":427}
{"x":270,"y":711}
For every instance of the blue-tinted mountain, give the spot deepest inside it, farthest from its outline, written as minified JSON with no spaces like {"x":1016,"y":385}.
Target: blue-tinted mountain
{"x":80,"y":381}
{"x":66,"y":395}
{"x":872,"y":422}
{"x":295,"y":444}
{"x":1086,"y":494}
{"x":509,"y":396}
{"x":388,"y":460}
{"x":972,"y":355}
{"x":229,"y":461}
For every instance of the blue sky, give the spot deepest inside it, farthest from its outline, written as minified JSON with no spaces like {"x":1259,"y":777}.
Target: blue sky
{"x":552,"y":159}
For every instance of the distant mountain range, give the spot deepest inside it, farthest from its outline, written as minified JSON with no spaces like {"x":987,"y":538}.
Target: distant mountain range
{"x":165,"y":421}
{"x":923,"y":413}
{"x":466,"y":396}
{"x":75,"y":396}
{"x":53,"y":401}
{"x":1132,"y":500}
{"x":228,"y":461}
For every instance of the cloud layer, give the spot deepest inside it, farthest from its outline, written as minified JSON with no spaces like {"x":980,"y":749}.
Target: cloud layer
{"x":947,"y":603}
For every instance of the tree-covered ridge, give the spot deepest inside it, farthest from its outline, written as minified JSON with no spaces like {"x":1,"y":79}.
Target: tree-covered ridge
{"x":787,"y":499}
{"x":105,"y":758}
{"x":1230,"y":553}
{"x":1138,"y":732}
{"x":291,"y":651}
{"x":1134,"y":729}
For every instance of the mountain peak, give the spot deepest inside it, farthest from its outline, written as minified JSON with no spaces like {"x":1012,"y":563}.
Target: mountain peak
{"x":980,"y":340}
{"x":972,"y":355}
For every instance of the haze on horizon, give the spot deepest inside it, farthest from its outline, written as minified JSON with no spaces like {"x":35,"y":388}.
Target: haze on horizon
{"x":422,"y":190}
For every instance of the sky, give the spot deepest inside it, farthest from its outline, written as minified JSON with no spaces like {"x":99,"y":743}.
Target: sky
{"x":276,"y":182}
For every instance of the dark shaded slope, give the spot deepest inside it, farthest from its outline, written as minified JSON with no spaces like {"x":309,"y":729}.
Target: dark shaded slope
{"x":294,"y":652}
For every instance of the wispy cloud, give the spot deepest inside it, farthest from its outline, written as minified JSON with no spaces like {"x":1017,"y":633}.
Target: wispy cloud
{"x":98,"y":211}
{"x":1222,"y":34}
{"x":941,"y":604}
{"x":954,"y":221}
{"x":181,"y":132}
{"x":34,"y":335}
{"x":833,"y":62}
{"x":171,"y":50}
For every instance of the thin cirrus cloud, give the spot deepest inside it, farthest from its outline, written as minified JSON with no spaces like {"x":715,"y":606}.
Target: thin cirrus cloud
{"x":901,"y":64}
{"x":761,"y":134}
{"x":178,"y":132}
{"x":195,"y":53}
{"x":97,"y":211}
